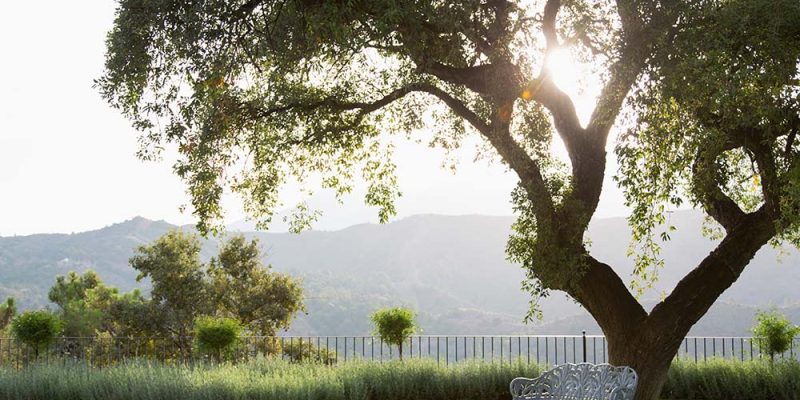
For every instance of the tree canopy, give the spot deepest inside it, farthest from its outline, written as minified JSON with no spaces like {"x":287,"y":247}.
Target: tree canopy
{"x":179,"y":291}
{"x":394,"y":326}
{"x":774,"y":333}
{"x":36,"y":329}
{"x":261,"y":299}
{"x":234,"y":284}
{"x":254,"y":92}
{"x":84,"y":302}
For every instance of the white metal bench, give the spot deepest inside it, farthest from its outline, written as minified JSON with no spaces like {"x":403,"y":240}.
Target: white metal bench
{"x":578,"y":382}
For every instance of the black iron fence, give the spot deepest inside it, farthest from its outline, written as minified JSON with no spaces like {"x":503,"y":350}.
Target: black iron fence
{"x":444,"y":349}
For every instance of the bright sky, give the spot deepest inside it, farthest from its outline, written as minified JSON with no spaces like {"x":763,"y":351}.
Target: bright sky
{"x":68,"y":164}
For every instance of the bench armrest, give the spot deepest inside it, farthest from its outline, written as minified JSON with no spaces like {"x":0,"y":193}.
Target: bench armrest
{"x":621,"y":393}
{"x":522,"y":388}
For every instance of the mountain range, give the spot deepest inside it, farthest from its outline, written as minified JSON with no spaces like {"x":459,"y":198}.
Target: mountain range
{"x":451,"y":269}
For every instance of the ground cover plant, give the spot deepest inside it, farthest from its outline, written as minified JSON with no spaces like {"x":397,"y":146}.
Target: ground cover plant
{"x":263,"y":379}
{"x":732,"y":380}
{"x":271,"y":379}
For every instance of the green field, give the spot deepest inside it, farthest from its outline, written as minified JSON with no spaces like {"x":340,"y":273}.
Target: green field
{"x":418,"y":380}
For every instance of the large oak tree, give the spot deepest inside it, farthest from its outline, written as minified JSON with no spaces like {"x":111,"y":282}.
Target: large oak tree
{"x":255,"y":92}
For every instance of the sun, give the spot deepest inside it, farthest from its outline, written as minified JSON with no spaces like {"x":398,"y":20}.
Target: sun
{"x":575,"y":78}
{"x":565,"y":70}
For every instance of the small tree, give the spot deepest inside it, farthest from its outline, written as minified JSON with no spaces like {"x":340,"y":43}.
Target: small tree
{"x":774,"y":333}
{"x":216,"y":335}
{"x":83,"y":302}
{"x":394,"y":325}
{"x":37,"y":329}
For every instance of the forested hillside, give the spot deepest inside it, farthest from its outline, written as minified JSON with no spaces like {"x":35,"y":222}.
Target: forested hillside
{"x":452,"y":269}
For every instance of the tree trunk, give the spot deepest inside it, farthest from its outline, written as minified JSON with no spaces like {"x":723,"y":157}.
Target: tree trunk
{"x":649,"y":355}
{"x":647,"y":342}
{"x":651,"y":379}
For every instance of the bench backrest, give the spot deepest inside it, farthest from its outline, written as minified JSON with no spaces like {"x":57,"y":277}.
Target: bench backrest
{"x":578,"y":382}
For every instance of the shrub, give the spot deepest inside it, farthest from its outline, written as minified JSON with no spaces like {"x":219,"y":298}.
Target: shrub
{"x":774,"y":333}
{"x":305,"y":351}
{"x":36,"y":329}
{"x":267,"y":346}
{"x":720,"y":379}
{"x":216,"y":335}
{"x":394,"y":325}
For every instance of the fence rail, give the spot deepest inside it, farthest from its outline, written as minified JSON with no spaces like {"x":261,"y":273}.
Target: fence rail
{"x":445,"y":349}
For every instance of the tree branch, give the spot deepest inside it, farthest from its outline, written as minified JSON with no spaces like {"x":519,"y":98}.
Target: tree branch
{"x":458,"y":107}
{"x":545,"y":91}
{"x":246,"y":8}
{"x":768,"y":171}
{"x":607,"y":298}
{"x":697,"y":291}
{"x":512,"y":153}
{"x":639,"y":37}
{"x":334,"y":104}
{"x":624,"y":73}
{"x":497,"y":38}
{"x":549,"y":24}
{"x":496,"y":80}
{"x":517,"y":158}
{"x":630,"y":18}
{"x":787,"y":150}
{"x":565,"y":116}
{"x":715,"y":202}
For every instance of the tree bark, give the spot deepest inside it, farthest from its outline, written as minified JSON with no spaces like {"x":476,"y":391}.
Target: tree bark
{"x":651,"y":362}
{"x":632,"y":342}
{"x":648,"y":342}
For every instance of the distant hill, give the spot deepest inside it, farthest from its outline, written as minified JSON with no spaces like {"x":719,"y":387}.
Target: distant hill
{"x":451,"y":268}
{"x":29,"y":264}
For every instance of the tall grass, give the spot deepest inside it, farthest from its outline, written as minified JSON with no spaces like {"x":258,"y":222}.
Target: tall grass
{"x":720,"y":379}
{"x":271,"y":379}
{"x":264,"y":379}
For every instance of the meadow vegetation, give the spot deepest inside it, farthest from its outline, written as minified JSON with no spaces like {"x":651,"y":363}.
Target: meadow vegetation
{"x":719,"y":379}
{"x":265,"y":379}
{"x":272,"y":379}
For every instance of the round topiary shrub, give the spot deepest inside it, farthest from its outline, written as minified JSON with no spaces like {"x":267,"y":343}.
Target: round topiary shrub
{"x":394,"y":325}
{"x":774,"y":333}
{"x":216,"y":335}
{"x":37,"y":329}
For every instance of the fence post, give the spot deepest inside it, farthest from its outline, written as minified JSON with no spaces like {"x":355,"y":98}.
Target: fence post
{"x":584,"y":346}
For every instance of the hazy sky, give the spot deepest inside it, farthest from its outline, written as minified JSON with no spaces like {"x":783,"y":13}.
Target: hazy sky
{"x":68,"y":164}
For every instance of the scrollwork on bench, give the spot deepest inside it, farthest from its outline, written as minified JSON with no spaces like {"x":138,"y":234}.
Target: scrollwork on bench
{"x":578,"y":382}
